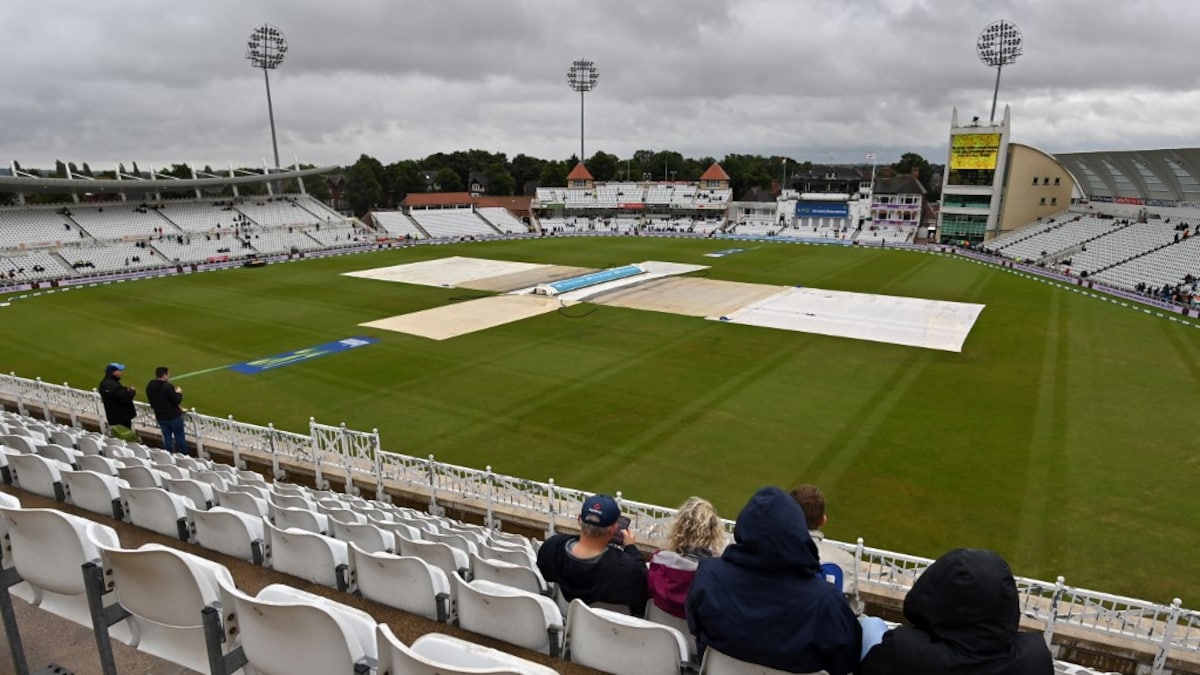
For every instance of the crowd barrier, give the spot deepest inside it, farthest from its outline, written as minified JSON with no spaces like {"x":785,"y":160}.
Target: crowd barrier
{"x":349,"y":457}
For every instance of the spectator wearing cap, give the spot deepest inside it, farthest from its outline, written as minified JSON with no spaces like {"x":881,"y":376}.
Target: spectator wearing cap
{"x":117,"y":398}
{"x":601,"y":564}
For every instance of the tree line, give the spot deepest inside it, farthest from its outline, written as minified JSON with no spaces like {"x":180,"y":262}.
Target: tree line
{"x":369,"y":184}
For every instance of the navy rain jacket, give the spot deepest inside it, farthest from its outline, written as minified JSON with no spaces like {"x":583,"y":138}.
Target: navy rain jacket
{"x":765,"y":601}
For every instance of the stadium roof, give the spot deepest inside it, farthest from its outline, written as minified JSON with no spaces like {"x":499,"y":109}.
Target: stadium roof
{"x":714,"y":172}
{"x":31,"y":185}
{"x":580,"y":172}
{"x":1168,"y":175}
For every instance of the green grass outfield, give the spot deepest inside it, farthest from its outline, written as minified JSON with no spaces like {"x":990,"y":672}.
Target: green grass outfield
{"x":1063,"y":436}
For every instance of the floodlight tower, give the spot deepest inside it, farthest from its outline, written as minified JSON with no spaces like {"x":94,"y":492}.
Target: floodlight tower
{"x":582,"y":76}
{"x":266,"y":49}
{"x":998,"y":45}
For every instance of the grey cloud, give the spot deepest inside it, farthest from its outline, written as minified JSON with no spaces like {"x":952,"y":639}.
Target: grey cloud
{"x":158,"y":82}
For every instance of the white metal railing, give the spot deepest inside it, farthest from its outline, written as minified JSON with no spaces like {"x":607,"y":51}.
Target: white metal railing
{"x":357,"y":454}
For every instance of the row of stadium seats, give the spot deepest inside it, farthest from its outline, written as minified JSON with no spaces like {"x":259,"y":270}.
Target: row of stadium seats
{"x":452,"y":572}
{"x":453,"y":223}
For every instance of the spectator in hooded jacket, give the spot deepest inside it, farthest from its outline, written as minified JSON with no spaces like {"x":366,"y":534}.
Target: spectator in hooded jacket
{"x":964,"y":613}
{"x":696,"y":533}
{"x":765,"y":600}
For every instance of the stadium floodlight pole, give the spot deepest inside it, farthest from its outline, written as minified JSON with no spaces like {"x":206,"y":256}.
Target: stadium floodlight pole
{"x":998,"y":45}
{"x":266,"y":49}
{"x":582,"y":76}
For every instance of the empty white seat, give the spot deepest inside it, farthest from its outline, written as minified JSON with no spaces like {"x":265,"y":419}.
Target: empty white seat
{"x":96,"y":492}
{"x":369,"y":537}
{"x":170,"y":470}
{"x":99,"y":464}
{"x":18,"y":442}
{"x":63,"y":437}
{"x":90,"y":445}
{"x":653,"y":613}
{"x":158,"y":510}
{"x":716,"y":663}
{"x":38,"y":475}
{"x":509,"y":574}
{"x":406,"y":583}
{"x":252,"y":478}
{"x":66,"y":455}
{"x":286,"y":631}
{"x":622,"y":644}
{"x":458,"y":540}
{"x":230,"y":532}
{"x":442,"y":556}
{"x":310,"y":556}
{"x":252,"y":490}
{"x":48,"y":550}
{"x":139,"y":476}
{"x":301,"y":519}
{"x":437,"y":654}
{"x":200,"y":493}
{"x":346,"y":516}
{"x":218,"y":480}
{"x":241,"y":501}
{"x":525,"y":619}
{"x":166,"y":590}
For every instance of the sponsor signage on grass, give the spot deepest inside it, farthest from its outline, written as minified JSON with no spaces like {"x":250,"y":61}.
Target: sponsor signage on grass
{"x":301,"y":355}
{"x":822,"y":210}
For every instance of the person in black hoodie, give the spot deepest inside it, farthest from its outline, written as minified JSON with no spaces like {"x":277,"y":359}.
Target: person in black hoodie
{"x":165,"y":398}
{"x":964,"y":613}
{"x":116,"y":397}
{"x":765,"y":601}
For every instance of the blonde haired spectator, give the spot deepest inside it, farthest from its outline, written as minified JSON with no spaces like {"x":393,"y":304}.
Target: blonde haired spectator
{"x":696,"y":533}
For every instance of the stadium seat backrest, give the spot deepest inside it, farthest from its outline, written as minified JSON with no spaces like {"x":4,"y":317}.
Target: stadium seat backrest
{"x":528,"y":620}
{"x":166,"y":590}
{"x":833,"y":574}
{"x":158,"y":510}
{"x":438,"y":654}
{"x":96,"y":492}
{"x":716,"y":663}
{"x":622,"y":645}
{"x":227,"y":531}
{"x":284,"y":630}
{"x":312,"y":557}
{"x":403,"y":582}
{"x":37,"y":474}
{"x":509,"y":574}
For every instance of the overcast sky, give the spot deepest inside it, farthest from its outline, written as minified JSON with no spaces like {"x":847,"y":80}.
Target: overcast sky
{"x":155,"y":82}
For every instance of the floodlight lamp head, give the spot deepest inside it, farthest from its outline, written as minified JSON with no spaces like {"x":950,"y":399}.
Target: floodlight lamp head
{"x":999,"y":44}
{"x":582,"y":75}
{"x":266,"y":47}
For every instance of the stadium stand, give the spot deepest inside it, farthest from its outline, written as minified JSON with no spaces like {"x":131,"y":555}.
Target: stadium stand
{"x":193,"y":217}
{"x":1061,"y":235}
{"x":287,"y":211}
{"x":1168,"y":265}
{"x":119,"y":220}
{"x":287,"y":621}
{"x":20,"y":228}
{"x":1120,"y":245}
{"x":397,"y":224}
{"x":502,"y":219}
{"x":450,"y":223}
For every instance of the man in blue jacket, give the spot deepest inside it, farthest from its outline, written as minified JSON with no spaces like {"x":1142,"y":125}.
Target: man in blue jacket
{"x":765,"y":600}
